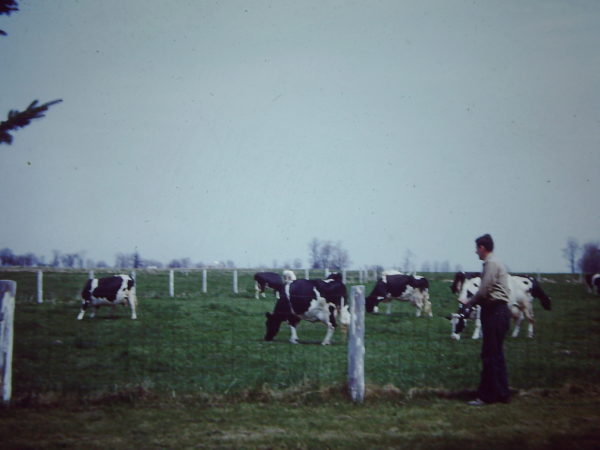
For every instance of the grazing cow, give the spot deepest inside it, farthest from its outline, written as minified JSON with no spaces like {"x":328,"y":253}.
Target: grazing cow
{"x":592,"y":281}
{"x":523,"y":289}
{"x":263,"y":280}
{"x":395,"y":285}
{"x":312,"y":300}
{"x":115,"y":290}
{"x":459,"y":279}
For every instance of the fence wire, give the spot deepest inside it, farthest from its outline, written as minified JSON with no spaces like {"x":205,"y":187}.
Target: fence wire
{"x":213,"y":342}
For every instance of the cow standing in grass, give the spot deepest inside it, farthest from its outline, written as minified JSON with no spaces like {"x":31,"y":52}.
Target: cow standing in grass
{"x":395,"y":285}
{"x":263,"y":280}
{"x":115,"y":290}
{"x":523,"y":289}
{"x":311,"y":300}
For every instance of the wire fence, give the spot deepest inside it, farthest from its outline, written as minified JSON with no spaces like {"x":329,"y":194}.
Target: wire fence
{"x":213,"y":342}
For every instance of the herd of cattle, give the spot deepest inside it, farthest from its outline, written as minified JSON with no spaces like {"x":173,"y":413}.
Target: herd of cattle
{"x":324,"y":300}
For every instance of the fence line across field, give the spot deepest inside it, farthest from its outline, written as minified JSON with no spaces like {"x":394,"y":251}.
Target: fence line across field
{"x":363,"y":277}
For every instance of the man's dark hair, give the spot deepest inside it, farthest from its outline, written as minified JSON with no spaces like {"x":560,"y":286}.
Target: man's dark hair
{"x":487,"y":242}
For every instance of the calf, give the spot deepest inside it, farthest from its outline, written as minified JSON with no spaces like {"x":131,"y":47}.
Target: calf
{"x":263,"y":280}
{"x":115,"y":290}
{"x":311,"y":300}
{"x":592,"y":281}
{"x":523,"y":289}
{"x":395,"y":285}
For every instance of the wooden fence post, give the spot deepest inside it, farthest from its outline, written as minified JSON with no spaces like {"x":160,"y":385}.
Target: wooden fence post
{"x":356,"y":345}
{"x":306,"y":274}
{"x":204,"y":286}
{"x":235,"y":282}
{"x":40,"y":286}
{"x":171,"y":283}
{"x":8,"y":290}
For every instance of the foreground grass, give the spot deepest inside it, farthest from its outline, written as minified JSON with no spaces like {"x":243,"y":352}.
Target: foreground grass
{"x":558,"y":419}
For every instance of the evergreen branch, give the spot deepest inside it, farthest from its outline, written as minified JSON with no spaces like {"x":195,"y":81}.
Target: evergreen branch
{"x":8,"y":6}
{"x":21,"y":119}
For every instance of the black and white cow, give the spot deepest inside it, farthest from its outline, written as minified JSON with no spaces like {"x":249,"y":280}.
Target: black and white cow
{"x":311,"y":300}
{"x":592,"y":281}
{"x":523,"y":289}
{"x":263,"y":280}
{"x":115,"y":290}
{"x":396,"y":285}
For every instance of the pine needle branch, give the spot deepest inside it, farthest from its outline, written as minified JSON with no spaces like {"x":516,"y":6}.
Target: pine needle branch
{"x":20,"y":119}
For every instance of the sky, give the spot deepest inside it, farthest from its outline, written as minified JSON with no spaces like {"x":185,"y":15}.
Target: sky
{"x":242,"y":130}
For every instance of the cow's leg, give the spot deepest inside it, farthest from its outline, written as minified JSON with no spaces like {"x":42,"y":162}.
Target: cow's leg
{"x":256,"y":290}
{"x":518,"y":320}
{"x":84,"y":306}
{"x":388,"y":310}
{"x":427,"y":304}
{"x":94,"y":311}
{"x":419,"y":308}
{"x":477,"y":331}
{"x":293,"y":323}
{"x":329,"y":334}
{"x":530,"y":319}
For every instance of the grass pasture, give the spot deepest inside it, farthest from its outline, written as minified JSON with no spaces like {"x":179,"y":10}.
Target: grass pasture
{"x":204,"y":353}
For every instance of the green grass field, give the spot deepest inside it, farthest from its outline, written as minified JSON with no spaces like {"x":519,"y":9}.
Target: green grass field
{"x":207,"y":351}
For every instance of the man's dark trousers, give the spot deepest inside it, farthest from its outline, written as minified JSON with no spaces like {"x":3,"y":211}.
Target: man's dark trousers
{"x":495,"y":321}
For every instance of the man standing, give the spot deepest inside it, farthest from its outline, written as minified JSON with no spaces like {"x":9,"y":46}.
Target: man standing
{"x":492,"y":296}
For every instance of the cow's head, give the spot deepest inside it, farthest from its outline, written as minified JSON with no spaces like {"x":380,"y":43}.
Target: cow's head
{"x":273,"y":324}
{"x":458,"y":320}
{"x":469,"y":289}
{"x":371,"y":303}
{"x":459,"y":278}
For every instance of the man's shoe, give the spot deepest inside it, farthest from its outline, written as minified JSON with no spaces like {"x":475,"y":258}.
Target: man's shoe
{"x":477,"y":402}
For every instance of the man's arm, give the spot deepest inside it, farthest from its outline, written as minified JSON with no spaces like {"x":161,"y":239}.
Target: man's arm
{"x":487,"y":282}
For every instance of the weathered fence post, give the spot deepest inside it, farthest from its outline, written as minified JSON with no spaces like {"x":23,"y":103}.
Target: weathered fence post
{"x":356,"y":345}
{"x":235,"y":282}
{"x":8,"y":290}
{"x":171,"y":283}
{"x":306,"y":274}
{"x":344,"y":276}
{"x":91,"y":275}
{"x":40,"y":286}
{"x":327,"y":273}
{"x":204,"y":286}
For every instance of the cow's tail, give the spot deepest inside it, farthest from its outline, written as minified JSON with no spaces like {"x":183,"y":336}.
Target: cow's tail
{"x":538,"y":292}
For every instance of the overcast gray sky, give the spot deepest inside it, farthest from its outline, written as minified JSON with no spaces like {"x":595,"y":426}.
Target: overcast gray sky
{"x":241,"y":130}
